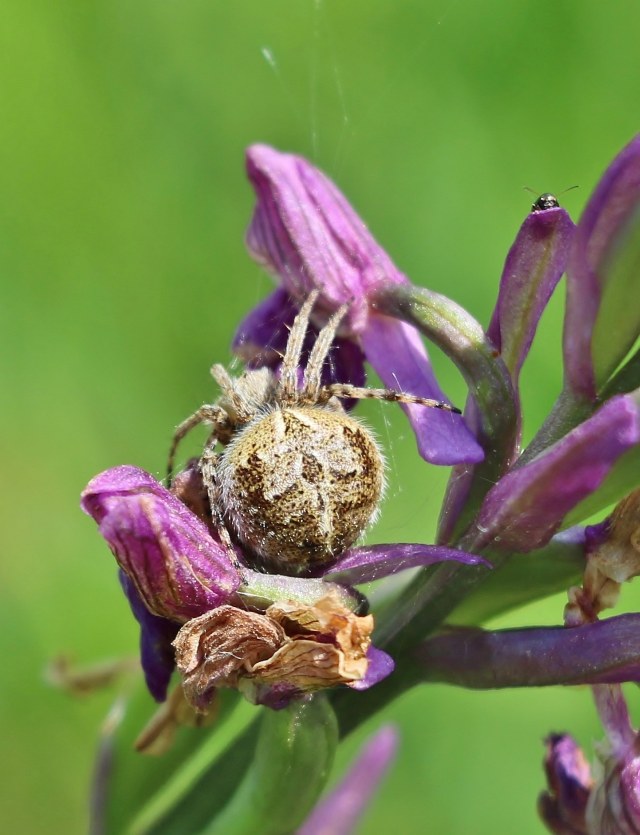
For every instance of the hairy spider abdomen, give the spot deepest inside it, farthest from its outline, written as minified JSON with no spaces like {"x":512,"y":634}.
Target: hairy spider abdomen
{"x":299,"y":485}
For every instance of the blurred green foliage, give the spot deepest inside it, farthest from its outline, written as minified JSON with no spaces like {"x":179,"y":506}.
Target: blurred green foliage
{"x":123,"y":205}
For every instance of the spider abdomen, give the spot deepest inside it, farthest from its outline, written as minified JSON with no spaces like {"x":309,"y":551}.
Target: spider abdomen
{"x":299,"y":485}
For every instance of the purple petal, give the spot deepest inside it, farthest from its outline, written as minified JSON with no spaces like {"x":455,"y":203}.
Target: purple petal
{"x":156,"y":635}
{"x":345,"y":364}
{"x":591,"y":276}
{"x":339,"y":812}
{"x":380,"y":666}
{"x":563,"y":806}
{"x":177,"y":568}
{"x":123,"y":480}
{"x":605,"y":652}
{"x":534,"y":265}
{"x":614,"y":805}
{"x":396,"y":352}
{"x":304,"y":230}
{"x":614,"y":715}
{"x":364,"y":565}
{"x":528,"y":505}
{"x":630,"y":791}
{"x":261,"y":338}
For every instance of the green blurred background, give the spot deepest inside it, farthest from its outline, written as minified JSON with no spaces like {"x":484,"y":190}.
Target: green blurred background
{"x":123,"y":205}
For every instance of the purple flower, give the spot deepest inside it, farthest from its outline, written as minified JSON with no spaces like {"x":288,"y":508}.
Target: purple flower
{"x":563,"y":806}
{"x":175,"y":571}
{"x":578,"y":802}
{"x":305,"y":232}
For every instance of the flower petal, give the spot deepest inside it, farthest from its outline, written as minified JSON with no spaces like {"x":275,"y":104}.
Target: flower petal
{"x":261,"y":340}
{"x":602,"y":322}
{"x":380,"y":666}
{"x":339,"y":812}
{"x":295,"y":648}
{"x":177,"y":568}
{"x":534,"y":265}
{"x":364,"y":565}
{"x":396,"y":352}
{"x":156,"y":635}
{"x":261,"y":337}
{"x":529,"y":504}
{"x":304,"y":230}
{"x":563,"y":806}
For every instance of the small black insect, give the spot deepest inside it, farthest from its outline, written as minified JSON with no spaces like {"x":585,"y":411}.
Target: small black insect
{"x":544,"y":202}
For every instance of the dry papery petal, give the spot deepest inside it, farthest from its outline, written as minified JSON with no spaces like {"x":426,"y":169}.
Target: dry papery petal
{"x":612,"y":561}
{"x":305,"y":647}
{"x":618,"y":558}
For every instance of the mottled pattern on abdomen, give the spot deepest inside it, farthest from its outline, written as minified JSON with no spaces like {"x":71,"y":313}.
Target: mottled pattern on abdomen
{"x":299,"y":485}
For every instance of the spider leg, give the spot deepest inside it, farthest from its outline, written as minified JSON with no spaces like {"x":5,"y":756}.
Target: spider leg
{"x":206,"y":413}
{"x":342,"y":390}
{"x":313,"y":371}
{"x":224,"y":380}
{"x":208,"y":463}
{"x":289,"y":373}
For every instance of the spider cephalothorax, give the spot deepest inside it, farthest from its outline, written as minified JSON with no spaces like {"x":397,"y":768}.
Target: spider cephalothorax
{"x":298,"y":480}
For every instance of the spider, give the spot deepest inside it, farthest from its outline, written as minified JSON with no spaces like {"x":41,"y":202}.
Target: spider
{"x":298,"y":480}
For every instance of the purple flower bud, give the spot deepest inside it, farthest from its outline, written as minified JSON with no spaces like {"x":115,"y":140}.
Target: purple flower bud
{"x":177,"y":568}
{"x":608,"y":803}
{"x":305,"y":232}
{"x":614,"y":806}
{"x":529,"y":504}
{"x":534,"y":265}
{"x":339,"y":812}
{"x":563,"y":806}
{"x":602,"y":318}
